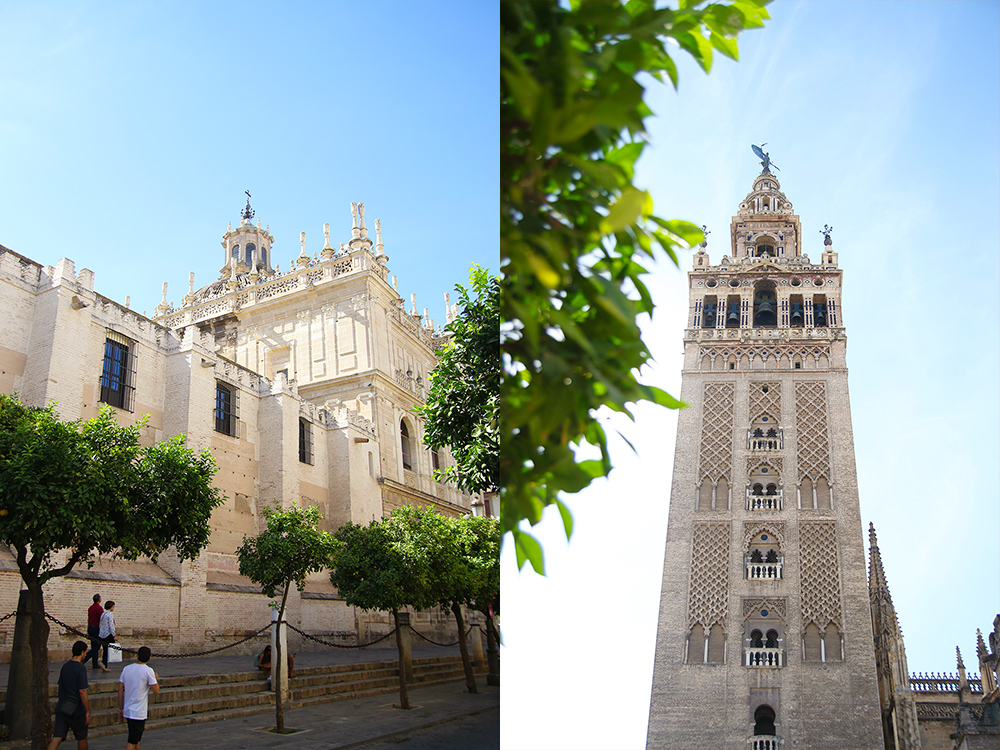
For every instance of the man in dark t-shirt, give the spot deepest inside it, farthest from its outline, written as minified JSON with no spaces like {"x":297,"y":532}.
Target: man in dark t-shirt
{"x":94,"y":613}
{"x":72,"y":687}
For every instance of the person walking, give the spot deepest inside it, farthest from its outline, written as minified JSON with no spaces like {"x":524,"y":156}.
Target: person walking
{"x":94,"y":612}
{"x":72,"y":705}
{"x":107,"y":632}
{"x":134,"y":686}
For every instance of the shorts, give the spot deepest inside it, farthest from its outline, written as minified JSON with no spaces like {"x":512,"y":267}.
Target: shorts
{"x":135,"y":729}
{"x":65,"y":723}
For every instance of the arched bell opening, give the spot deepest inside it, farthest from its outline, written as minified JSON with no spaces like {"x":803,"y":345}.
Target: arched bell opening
{"x":733,"y":311}
{"x":709,"y":311}
{"x":764,"y":245}
{"x":796,"y":316}
{"x":765,"y":305}
{"x":819,"y":311}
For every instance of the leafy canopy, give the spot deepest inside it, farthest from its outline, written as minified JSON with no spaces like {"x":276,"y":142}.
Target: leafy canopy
{"x":463,"y":407}
{"x":291,"y":547}
{"x":575,"y":232}
{"x":91,"y":488}
{"x":388,"y":564}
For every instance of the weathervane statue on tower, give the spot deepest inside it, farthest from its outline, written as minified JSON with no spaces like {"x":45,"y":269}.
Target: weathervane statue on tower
{"x":765,"y":159}
{"x":247,"y":211}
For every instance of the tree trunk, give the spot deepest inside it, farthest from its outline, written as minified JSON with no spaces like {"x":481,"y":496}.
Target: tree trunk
{"x":27,"y":710}
{"x":279,"y":674}
{"x":404,"y":699}
{"x":470,"y":677}
{"x":492,"y":652}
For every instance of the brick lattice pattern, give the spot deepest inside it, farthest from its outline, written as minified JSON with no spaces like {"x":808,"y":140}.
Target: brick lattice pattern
{"x":820,"y":579}
{"x":813,"y":444}
{"x":716,"y":457}
{"x":765,"y":403}
{"x":708,"y":601}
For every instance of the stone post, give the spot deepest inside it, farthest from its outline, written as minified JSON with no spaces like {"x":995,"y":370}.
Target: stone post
{"x":492,"y":654}
{"x":404,"y":640}
{"x":476,"y":636}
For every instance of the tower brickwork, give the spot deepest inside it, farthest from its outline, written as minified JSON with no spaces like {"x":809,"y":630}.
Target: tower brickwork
{"x":765,"y":631}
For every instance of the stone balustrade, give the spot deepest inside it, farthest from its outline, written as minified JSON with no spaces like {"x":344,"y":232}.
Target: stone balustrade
{"x":764,"y":571}
{"x":764,"y":502}
{"x":764,"y":657}
{"x":764,"y":742}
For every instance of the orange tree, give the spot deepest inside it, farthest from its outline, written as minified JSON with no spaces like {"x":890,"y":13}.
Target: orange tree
{"x":575,"y":231}
{"x":69,"y":490}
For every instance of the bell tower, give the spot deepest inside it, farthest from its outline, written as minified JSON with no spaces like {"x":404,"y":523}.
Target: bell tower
{"x":765,"y":631}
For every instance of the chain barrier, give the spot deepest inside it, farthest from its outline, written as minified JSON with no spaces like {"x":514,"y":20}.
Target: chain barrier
{"x":159,"y":656}
{"x":454,"y":643}
{"x":338,"y":645}
{"x":8,"y":616}
{"x":252,"y":635}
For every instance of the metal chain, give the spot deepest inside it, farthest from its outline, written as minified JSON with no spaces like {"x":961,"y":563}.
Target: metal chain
{"x":338,"y":645}
{"x":454,"y":643}
{"x":7,"y":616}
{"x":162,"y":656}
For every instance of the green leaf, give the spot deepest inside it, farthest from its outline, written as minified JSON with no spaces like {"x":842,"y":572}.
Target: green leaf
{"x":726,"y":46}
{"x":528,"y":550}
{"x":567,"y":518}
{"x":626,"y":210}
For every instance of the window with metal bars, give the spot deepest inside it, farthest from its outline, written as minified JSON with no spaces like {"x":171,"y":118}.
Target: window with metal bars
{"x":404,"y":439}
{"x":227,"y":402}
{"x":118,"y":372}
{"x":305,"y":441}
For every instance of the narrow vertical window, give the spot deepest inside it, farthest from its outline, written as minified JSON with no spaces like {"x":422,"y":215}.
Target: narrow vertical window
{"x":225,"y":409}
{"x":118,"y":371}
{"x":404,"y":441}
{"x":435,"y":459}
{"x":305,"y":441}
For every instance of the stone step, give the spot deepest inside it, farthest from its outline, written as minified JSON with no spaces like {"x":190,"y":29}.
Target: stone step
{"x":199,"y":698}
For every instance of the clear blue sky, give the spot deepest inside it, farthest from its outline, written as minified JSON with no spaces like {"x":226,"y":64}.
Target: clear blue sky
{"x":129,"y":131}
{"x":883,"y":118}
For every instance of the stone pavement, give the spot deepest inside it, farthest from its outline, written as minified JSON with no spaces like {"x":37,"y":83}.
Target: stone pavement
{"x":340,"y":725}
{"x":343,"y":724}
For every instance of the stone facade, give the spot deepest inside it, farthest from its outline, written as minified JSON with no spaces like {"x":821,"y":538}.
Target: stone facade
{"x":303,"y":383}
{"x":764,"y":635}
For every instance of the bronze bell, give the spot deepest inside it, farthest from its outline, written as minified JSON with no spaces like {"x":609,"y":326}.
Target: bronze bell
{"x":820,"y":314}
{"x":796,"y":314}
{"x":765,"y":313}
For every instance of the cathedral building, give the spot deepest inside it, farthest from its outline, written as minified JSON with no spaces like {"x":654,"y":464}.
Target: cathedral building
{"x":302,"y":382}
{"x":765,"y":631}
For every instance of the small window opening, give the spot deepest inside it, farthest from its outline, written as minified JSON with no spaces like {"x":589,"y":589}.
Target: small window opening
{"x":404,"y":440}
{"x":305,"y":441}
{"x":763,"y":722}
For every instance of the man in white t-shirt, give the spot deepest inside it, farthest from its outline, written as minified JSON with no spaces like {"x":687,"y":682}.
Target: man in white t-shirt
{"x":133,"y":690}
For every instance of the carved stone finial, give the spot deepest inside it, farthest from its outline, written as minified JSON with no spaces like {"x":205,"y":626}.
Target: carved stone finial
{"x":326,"y":235}
{"x":191,"y":282}
{"x":164,"y":292}
{"x":354,"y":214}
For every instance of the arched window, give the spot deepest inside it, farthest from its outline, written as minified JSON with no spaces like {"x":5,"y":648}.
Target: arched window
{"x":831,"y":642}
{"x":756,"y":639}
{"x":716,"y":645}
{"x":772,"y":639}
{"x":435,"y":459}
{"x":263,"y":255}
{"x":696,"y":645}
{"x":822,"y":493}
{"x":236,"y":252}
{"x":710,"y":309}
{"x":705,"y":494}
{"x":763,"y":722}
{"x":404,"y":442}
{"x":249,"y":254}
{"x":811,"y":643}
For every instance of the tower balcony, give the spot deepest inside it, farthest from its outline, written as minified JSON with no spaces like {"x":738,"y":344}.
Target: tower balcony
{"x":768,"y":658}
{"x":764,"y":742}
{"x":764,"y":571}
{"x":764,"y":502}
{"x":760,"y":441}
